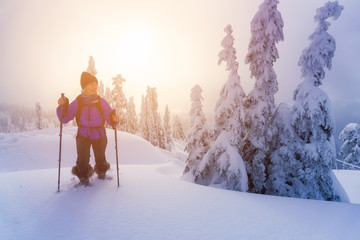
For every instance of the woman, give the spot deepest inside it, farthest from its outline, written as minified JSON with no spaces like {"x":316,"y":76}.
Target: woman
{"x":90,"y":111}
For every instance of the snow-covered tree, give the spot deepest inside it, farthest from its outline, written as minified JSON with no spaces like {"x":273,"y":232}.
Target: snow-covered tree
{"x":177,"y":129}
{"x":91,"y":66}
{"x":349,"y":151}
{"x":198,"y":137}
{"x":150,"y":120}
{"x":107,"y":96}
{"x":91,"y":69}
{"x":143,"y":126}
{"x":266,"y":32}
{"x":312,"y":118}
{"x":101,"y":90}
{"x":38,"y":116}
{"x":14,"y":118}
{"x":283,"y":171}
{"x":119,"y":101}
{"x":131,"y":117}
{"x":222,"y":164}
{"x":230,"y":102}
{"x":168,"y":137}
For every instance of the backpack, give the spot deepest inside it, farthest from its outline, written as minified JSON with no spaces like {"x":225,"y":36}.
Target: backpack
{"x":81,"y":105}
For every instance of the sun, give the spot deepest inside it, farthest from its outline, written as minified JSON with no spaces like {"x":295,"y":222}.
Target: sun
{"x":135,"y":49}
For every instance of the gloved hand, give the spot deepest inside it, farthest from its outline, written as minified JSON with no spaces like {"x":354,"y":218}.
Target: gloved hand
{"x":63,"y":101}
{"x":115,"y":119}
{"x":64,"y":104}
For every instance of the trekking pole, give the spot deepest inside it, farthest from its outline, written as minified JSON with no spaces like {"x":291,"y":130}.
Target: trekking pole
{"x":61,"y":126}
{"x":117,"y":159}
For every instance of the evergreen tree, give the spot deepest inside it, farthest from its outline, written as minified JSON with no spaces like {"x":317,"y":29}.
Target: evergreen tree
{"x":266,"y":31}
{"x":150,"y":122}
{"x":232,"y":94}
{"x":177,"y":128}
{"x":38,"y":116}
{"x":283,"y":179}
{"x":91,"y":66}
{"x":91,"y":69}
{"x":312,"y":118}
{"x":143,"y":126}
{"x":131,"y":117}
{"x":222,"y":164}
{"x":119,"y":100}
{"x":101,"y":90}
{"x":349,"y":151}
{"x":108,"y":97}
{"x":168,"y":138}
{"x":198,"y":136}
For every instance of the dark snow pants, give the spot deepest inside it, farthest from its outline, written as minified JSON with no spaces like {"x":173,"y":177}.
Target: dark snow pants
{"x":83,"y":156}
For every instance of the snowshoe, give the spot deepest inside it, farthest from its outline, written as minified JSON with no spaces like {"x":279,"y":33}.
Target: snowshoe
{"x":84,"y":182}
{"x":103,"y":176}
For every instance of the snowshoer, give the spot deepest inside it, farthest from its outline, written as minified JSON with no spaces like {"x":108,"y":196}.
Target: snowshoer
{"x":91,"y":111}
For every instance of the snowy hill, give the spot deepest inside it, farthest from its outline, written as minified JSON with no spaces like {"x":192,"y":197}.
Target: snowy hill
{"x":153,"y":201}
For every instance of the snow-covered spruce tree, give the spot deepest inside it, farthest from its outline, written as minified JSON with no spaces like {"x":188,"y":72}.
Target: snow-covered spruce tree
{"x":91,"y":69}
{"x":283,"y":170}
{"x":143,"y":127}
{"x":266,"y":31}
{"x":312,"y":118}
{"x":91,"y":66}
{"x":177,"y":129}
{"x":198,"y":137}
{"x":101,"y":90}
{"x":232,"y":94}
{"x":150,"y":121}
{"x":168,"y":138}
{"x":349,"y":151}
{"x":131,"y":117}
{"x":107,"y":96}
{"x":119,"y":101}
{"x":38,"y":116}
{"x":222,"y":164}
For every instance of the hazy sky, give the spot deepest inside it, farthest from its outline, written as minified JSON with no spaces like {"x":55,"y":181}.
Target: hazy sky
{"x":168,"y":44}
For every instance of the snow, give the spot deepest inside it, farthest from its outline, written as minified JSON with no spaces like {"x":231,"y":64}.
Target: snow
{"x":152,"y":202}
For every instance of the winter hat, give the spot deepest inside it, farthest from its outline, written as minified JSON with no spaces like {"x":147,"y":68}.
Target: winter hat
{"x":87,"y":78}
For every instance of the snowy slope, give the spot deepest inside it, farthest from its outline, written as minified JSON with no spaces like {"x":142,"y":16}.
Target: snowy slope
{"x":153,"y":202}
{"x":39,"y":149}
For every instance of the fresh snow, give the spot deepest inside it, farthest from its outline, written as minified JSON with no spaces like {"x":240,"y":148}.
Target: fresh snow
{"x":153,"y":201}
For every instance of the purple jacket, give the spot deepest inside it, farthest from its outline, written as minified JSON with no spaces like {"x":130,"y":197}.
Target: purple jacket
{"x":91,"y":126}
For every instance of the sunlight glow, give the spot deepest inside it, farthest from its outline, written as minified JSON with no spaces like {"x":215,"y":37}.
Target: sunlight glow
{"x":134,"y":50}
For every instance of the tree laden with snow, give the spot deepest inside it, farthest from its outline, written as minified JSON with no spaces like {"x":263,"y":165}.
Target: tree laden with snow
{"x":101,"y":90}
{"x":119,"y":101}
{"x":91,"y":69}
{"x":349,"y":151}
{"x":312,"y":118}
{"x":91,"y":66}
{"x":168,"y":138}
{"x":131,"y":117}
{"x":283,"y":171}
{"x":266,"y":31}
{"x":222,"y":164}
{"x":107,"y":96}
{"x":143,"y":127}
{"x":232,"y":94}
{"x":150,"y":121}
{"x":38,"y":116}
{"x":198,"y":137}
{"x":178,"y":131}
